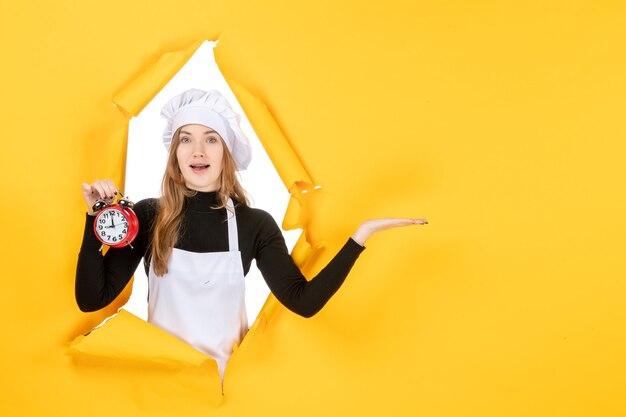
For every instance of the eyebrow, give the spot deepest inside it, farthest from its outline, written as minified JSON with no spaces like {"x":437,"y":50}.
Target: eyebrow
{"x":184,"y":132}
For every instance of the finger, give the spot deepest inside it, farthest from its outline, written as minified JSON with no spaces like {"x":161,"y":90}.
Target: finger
{"x":397,"y":222}
{"x":98,"y":186}
{"x":401,"y":219}
{"x":406,"y":222}
{"x":115,"y":189}
{"x":409,"y":221}
{"x":389,"y":223}
{"x":111,"y":189}
{"x":87,"y":190}
{"x":108,"y":189}
{"x":401,"y":222}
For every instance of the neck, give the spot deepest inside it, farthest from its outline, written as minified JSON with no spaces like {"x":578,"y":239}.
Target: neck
{"x":202,"y":201}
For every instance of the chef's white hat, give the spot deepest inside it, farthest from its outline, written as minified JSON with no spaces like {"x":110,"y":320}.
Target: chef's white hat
{"x":208,"y":108}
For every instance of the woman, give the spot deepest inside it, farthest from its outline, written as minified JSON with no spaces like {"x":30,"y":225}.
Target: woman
{"x":199,"y":238}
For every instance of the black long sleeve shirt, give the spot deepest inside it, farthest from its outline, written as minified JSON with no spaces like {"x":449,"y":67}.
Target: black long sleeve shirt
{"x":100,"y":279}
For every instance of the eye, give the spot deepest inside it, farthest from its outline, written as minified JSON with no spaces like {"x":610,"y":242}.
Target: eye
{"x":184,"y":139}
{"x":212,"y":139}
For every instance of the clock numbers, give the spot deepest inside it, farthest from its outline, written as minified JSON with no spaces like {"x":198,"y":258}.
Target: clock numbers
{"x":116,"y":225}
{"x":112,"y":226}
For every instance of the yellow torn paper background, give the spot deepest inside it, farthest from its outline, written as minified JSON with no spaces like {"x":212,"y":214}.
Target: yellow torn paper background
{"x":130,"y":338}
{"x":502,"y":124}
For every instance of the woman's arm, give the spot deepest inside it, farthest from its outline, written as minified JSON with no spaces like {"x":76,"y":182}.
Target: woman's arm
{"x":292,"y":289}
{"x":100,"y":279}
{"x":287,"y":282}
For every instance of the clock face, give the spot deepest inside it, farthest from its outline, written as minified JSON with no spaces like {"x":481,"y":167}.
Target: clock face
{"x":111,"y":226}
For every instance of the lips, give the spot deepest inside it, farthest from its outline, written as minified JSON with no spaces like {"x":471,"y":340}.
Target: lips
{"x":199,"y":168}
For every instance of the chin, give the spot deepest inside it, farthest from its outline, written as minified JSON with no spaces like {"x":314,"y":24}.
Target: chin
{"x":200,"y":187}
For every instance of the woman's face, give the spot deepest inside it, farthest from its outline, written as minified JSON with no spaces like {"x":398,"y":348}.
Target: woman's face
{"x":199,"y":155}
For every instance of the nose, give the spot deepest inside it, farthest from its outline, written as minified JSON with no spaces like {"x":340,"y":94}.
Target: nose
{"x":198,"y":150}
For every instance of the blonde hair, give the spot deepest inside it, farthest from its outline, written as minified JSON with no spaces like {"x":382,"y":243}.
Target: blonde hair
{"x":171,"y":202}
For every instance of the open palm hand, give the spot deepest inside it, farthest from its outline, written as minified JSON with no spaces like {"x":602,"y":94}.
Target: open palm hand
{"x":369,"y":227}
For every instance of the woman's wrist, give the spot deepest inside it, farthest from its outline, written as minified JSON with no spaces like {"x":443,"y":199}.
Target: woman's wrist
{"x":361,"y":235}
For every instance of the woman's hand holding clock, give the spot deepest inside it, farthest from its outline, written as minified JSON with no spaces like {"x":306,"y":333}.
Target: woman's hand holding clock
{"x":100,"y":198}
{"x":99,"y":190}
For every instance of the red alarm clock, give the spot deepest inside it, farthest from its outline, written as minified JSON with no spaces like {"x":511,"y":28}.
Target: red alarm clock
{"x":116,"y":224}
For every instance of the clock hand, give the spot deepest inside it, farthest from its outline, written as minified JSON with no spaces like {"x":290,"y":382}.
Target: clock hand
{"x":115,"y":226}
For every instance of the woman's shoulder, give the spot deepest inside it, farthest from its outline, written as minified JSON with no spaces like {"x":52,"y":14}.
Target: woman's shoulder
{"x":146,"y":208}
{"x":147,"y":202}
{"x":252,"y":212}
{"x":256,"y":218}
